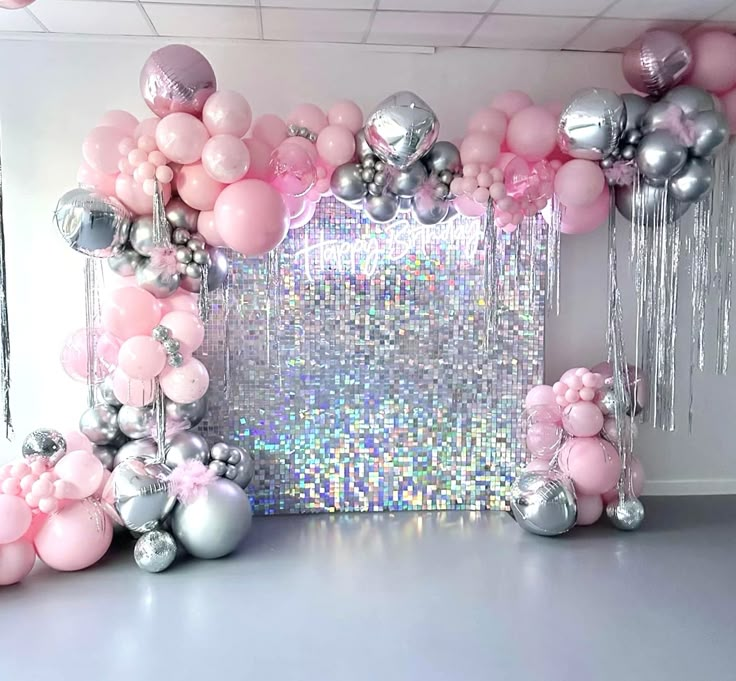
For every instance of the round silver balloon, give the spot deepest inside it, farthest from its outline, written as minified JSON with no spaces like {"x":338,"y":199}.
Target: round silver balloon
{"x":429,"y":210}
{"x":627,"y":515}
{"x":141,"y":235}
{"x":658,"y":116}
{"x":711,"y":133}
{"x":241,"y":469}
{"x":214,"y":524}
{"x":44,"y":443}
{"x":216,"y":272}
{"x":136,"y":422}
{"x":124,"y":262}
{"x":660,"y":155}
{"x":401,"y":129}
{"x":100,"y":424}
{"x":106,"y":455}
{"x":543,"y":502}
{"x":186,"y":446}
{"x":692,"y":100}
{"x":137,"y":494}
{"x":648,"y":203}
{"x":443,"y":156}
{"x":693,"y":181}
{"x":106,"y":393}
{"x":185,"y":416}
{"x":136,"y":449}
{"x":160,"y":282}
{"x":181,"y":215}
{"x":409,"y":181}
{"x":636,"y":106}
{"x":361,"y":145}
{"x":591,"y":124}
{"x":381,"y":209}
{"x":91,"y":223}
{"x":155,"y":551}
{"x":347,"y":182}
{"x":220,"y":451}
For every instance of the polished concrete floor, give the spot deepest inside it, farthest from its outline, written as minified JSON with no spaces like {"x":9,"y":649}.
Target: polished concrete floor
{"x":405,"y":597}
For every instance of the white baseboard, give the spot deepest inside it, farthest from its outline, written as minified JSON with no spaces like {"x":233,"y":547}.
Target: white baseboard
{"x":663,"y":488}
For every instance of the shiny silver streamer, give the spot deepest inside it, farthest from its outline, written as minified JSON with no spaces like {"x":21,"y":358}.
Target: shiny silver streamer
{"x":490,"y":272}
{"x":724,"y":254}
{"x":92,"y":314}
{"x":553,"y":257}
{"x":203,"y":300}
{"x":161,"y":233}
{"x":4,"y":325}
{"x":273,"y":308}
{"x":159,"y":411}
{"x":227,"y":304}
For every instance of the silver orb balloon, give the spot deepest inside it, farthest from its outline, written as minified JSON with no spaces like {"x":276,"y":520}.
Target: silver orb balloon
{"x":648,"y":203}
{"x":215,"y":523}
{"x":626,"y":515}
{"x":543,"y":502}
{"x":347,"y":182}
{"x":408,"y":182}
{"x":44,"y":443}
{"x":443,"y":156}
{"x":657,"y":117}
{"x":660,"y":155}
{"x":160,"y":282}
{"x":692,"y":100}
{"x":137,"y":494}
{"x":711,"y":133}
{"x":92,"y":223}
{"x":145,"y":448}
{"x":136,"y":422}
{"x":106,"y":455}
{"x":381,"y":209}
{"x":693,"y":181}
{"x":429,"y":210}
{"x":186,"y":416}
{"x":155,"y":551}
{"x":124,"y":262}
{"x":591,"y":124}
{"x":361,"y":147}
{"x":217,"y":272}
{"x":181,"y":215}
{"x":141,"y":235}
{"x":401,"y":129}
{"x":186,"y":446}
{"x":106,"y":393}
{"x":232,"y":462}
{"x":636,"y":106}
{"x":100,"y":424}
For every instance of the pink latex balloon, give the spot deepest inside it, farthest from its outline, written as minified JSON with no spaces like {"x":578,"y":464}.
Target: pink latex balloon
{"x":590,"y":508}
{"x":146,"y":128}
{"x":260,"y":159}
{"x":181,"y":138}
{"x":305,"y":145}
{"x":540,"y":395}
{"x":251,"y":217}
{"x":81,"y":471}
{"x":177,"y":78}
{"x":479,"y":147}
{"x":295,"y":205}
{"x":76,"y":441}
{"x":637,"y":480}
{"x":291,"y":170}
{"x":130,"y":312}
{"x":100,"y":149}
{"x":543,"y":439}
{"x":197,"y":188}
{"x":133,"y":196}
{"x":75,"y":537}
{"x":305,"y":216}
{"x":346,"y":113}
{"x":656,"y":61}
{"x":555,"y":108}
{"x":468,"y":208}
{"x":582,"y":419}
{"x":584,"y":219}
{"x":728,"y":102}
{"x":336,"y":145}
{"x":225,"y":158}
{"x":593,"y":464}
{"x":532,"y":133}
{"x":187,"y":328}
{"x":186,"y":383}
{"x":74,"y":355}
{"x":308,"y":116}
{"x":16,"y":560}
{"x":492,"y":121}
{"x":537,"y":464}
{"x":579,"y":182}
{"x":87,"y":177}
{"x":181,"y":300}
{"x":714,"y":56}
{"x":122,"y":120}
{"x":15,"y":518}
{"x":269,"y":129}
{"x":227,"y":113}
{"x":142,"y":357}
{"x":511,"y":101}
{"x":132,"y":391}
{"x":208,"y":230}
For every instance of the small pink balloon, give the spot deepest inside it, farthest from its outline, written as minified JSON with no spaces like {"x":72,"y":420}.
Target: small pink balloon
{"x":130,"y":312}
{"x":225,"y":158}
{"x":142,"y":357}
{"x":291,"y":170}
{"x":637,"y":480}
{"x":132,"y":391}
{"x":305,"y":216}
{"x":308,"y":116}
{"x":346,"y":113}
{"x":532,"y":133}
{"x":584,"y":219}
{"x":592,"y":463}
{"x":74,"y":355}
{"x":81,"y":471}
{"x":511,"y":101}
{"x":336,"y":144}
{"x":87,"y":177}
{"x":468,"y":208}
{"x":186,"y":383}
{"x":164,"y":174}
{"x":133,"y":196}
{"x":77,"y":441}
{"x":181,"y":300}
{"x":146,"y":128}
{"x":479,"y":147}
{"x":197,"y":188}
{"x":100,"y":149}
{"x":579,"y":182}
{"x":227,"y":113}
{"x":16,"y":559}
{"x":590,"y":508}
{"x":181,"y":138}
{"x":208,"y":230}
{"x":260,"y":159}
{"x":269,"y":129}
{"x":15,"y":518}
{"x":75,"y":537}
{"x":122,"y":120}
{"x":540,"y":396}
{"x":582,"y":419}
{"x":492,"y":121}
{"x":187,"y":328}
{"x":714,"y":56}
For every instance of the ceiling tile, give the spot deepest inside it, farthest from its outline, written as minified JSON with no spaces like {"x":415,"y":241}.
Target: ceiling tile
{"x":437,"y":29}
{"x":236,"y":3}
{"x":525,"y":32}
{"x":437,"y":5}
{"x":671,"y":9}
{"x":614,"y":34}
{"x":91,"y":16}
{"x":558,"y":8}
{"x":208,"y":22}
{"x":17,"y":20}
{"x":315,"y":25}
{"x":319,"y":4}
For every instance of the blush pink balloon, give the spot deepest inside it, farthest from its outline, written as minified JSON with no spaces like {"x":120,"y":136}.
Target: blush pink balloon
{"x":714,"y":56}
{"x":197,"y":188}
{"x":100,"y":149}
{"x":260,"y":159}
{"x":251,"y":217}
{"x":638,"y":478}
{"x":74,"y":355}
{"x":207,"y":229}
{"x":87,"y":177}
{"x":15,"y":518}
{"x":308,"y":116}
{"x":227,"y":113}
{"x":537,"y":465}
{"x":532,"y":133}
{"x":306,"y":146}
{"x":142,"y":357}
{"x":584,"y":219}
{"x":479,"y":147}
{"x":186,"y":383}
{"x":555,"y":108}
{"x":225,"y":158}
{"x":146,"y":128}
{"x":590,"y":509}
{"x":579,"y":182}
{"x":336,"y":144}
{"x":122,"y":120}
{"x":592,"y":463}
{"x":543,"y":439}
{"x":291,"y":170}
{"x":75,"y":537}
{"x":16,"y":560}
{"x":132,"y":391}
{"x":492,"y":121}
{"x":77,"y":441}
{"x":346,"y":113}
{"x":181,"y":138}
{"x":295,"y":205}
{"x":305,"y":216}
{"x":582,"y":419}
{"x":181,"y":300}
{"x":81,"y":471}
{"x":540,"y":396}
{"x":133,"y":196}
{"x":129,"y":312}
{"x":187,"y":328}
{"x":468,"y":208}
{"x":511,"y":101}
{"x":270,"y":129}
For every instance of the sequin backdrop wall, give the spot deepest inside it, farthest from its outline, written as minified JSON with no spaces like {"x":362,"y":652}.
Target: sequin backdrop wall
{"x":353,"y":362}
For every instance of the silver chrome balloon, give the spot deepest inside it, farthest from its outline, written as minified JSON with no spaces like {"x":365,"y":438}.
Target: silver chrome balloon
{"x":124,"y":262}
{"x":141,"y":235}
{"x":660,"y":155}
{"x":690,"y":99}
{"x":160,"y":282}
{"x":347,"y":182}
{"x":106,"y":455}
{"x":694,"y":181}
{"x":648,"y":203}
{"x":443,"y":156}
{"x":181,"y":215}
{"x":409,"y":181}
{"x":657,"y":117}
{"x":636,"y":106}
{"x":232,"y":462}
{"x":44,"y":443}
{"x":711,"y":133}
{"x":136,"y":448}
{"x":429,"y":210}
{"x":100,"y":424}
{"x":401,"y":129}
{"x":136,"y":422}
{"x":186,"y":416}
{"x":186,"y":446}
{"x":362,"y":149}
{"x":381,"y":209}
{"x":627,"y":515}
{"x":155,"y":551}
{"x":543,"y":502}
{"x":106,"y":393}
{"x":215,"y":523}
{"x":217,"y":271}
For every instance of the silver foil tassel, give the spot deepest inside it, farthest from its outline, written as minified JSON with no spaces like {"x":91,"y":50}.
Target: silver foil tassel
{"x":724,"y":254}
{"x":553,"y":257}
{"x":159,"y":412}
{"x":490,"y":272}
{"x":92,"y":313}
{"x":227,"y":303}
{"x":203,"y":301}
{"x":4,"y":325}
{"x":161,"y":232}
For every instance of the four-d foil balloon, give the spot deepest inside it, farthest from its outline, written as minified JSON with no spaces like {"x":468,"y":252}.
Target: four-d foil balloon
{"x":91,"y":223}
{"x":648,"y":204}
{"x":543,"y":502}
{"x":401,"y":129}
{"x":656,"y":61}
{"x":591,"y":124}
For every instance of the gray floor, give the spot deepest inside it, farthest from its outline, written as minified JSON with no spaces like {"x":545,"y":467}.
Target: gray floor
{"x":456,"y":596}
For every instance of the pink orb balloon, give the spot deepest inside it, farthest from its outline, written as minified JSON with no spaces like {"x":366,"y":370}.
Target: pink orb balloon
{"x":186,"y":383}
{"x":336,"y":144}
{"x":129,"y":312}
{"x":225,"y":158}
{"x":100,"y":149}
{"x":270,"y":129}
{"x":16,"y":561}
{"x":308,"y":116}
{"x":543,"y":439}
{"x":207,"y":229}
{"x":347,"y":114}
{"x":142,"y":357}
{"x":197,"y":187}
{"x":87,"y":177}
{"x":187,"y":328}
{"x":76,"y":441}
{"x":593,"y":464}
{"x":579,"y":182}
{"x":291,"y":170}
{"x":295,"y":205}
{"x":181,"y":137}
{"x":532,"y":133}
{"x":479,"y":147}
{"x":714,"y":56}
{"x":122,"y":120}
{"x":582,"y":419}
{"x":492,"y":121}
{"x":15,"y":518}
{"x":590,"y":509}
{"x":133,"y":391}
{"x":260,"y":159}
{"x":227,"y":113}
{"x":584,"y":219}
{"x":511,"y":101}
{"x":82,"y":473}
{"x":74,"y":355}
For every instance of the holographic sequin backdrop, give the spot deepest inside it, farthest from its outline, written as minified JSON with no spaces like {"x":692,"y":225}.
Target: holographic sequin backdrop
{"x":359,"y":372}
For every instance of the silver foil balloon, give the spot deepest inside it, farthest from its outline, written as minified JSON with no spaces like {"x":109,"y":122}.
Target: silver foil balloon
{"x":401,"y":129}
{"x":124,"y":262}
{"x":692,"y":100}
{"x":186,"y":446}
{"x":91,"y":223}
{"x":217,"y":272}
{"x":106,"y":393}
{"x":161,"y":282}
{"x":636,"y":106}
{"x":660,"y":156}
{"x":626,"y":515}
{"x":362,"y":149}
{"x":656,"y":61}
{"x":711,"y":133}
{"x":443,"y":156}
{"x":137,"y":494}
{"x":215,"y":523}
{"x":186,"y":416}
{"x":648,"y":202}
{"x":100,"y":424}
{"x":409,"y":181}
{"x":637,"y":385}
{"x":141,"y":235}
{"x":136,"y":422}
{"x":44,"y":443}
{"x":105,"y":454}
{"x":693,"y":181}
{"x":429,"y":210}
{"x":381,"y":209}
{"x":591,"y":124}
{"x":543,"y":502}
{"x":347,"y":183}
{"x":181,"y":215}
{"x":155,"y":551}
{"x":136,"y":449}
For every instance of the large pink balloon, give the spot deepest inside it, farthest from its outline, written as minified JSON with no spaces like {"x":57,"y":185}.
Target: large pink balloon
{"x":493,"y":121}
{"x":227,"y":113}
{"x":582,"y":419}
{"x":100,"y":149}
{"x":638,"y":478}
{"x":291,"y":169}
{"x":76,"y":440}
{"x":225,"y":158}
{"x":468,"y":208}
{"x":187,"y":328}
{"x":336,"y":144}
{"x":714,"y":60}
{"x":346,"y":113}
{"x":142,"y":357}
{"x":15,"y":518}
{"x":197,"y":188}
{"x":593,"y":464}
{"x":208,"y":230}
{"x":186,"y":383}
{"x":122,"y":120}
{"x":133,"y":391}
{"x":269,"y":129}
{"x":130,"y":312}
{"x":181,"y":137}
{"x":308,"y":116}
{"x":251,"y":217}
{"x":82,"y":471}
{"x":584,"y":219}
{"x":532,"y":133}
{"x":181,"y":300}
{"x":16,"y":561}
{"x":540,"y":396}
{"x":511,"y":101}
{"x":479,"y":147}
{"x":590,"y":508}
{"x":87,"y":177}
{"x":134,"y":198}
{"x":543,"y":439}
{"x":260,"y":159}
{"x":74,"y":355}
{"x":728,"y":101}
{"x":579,"y":182}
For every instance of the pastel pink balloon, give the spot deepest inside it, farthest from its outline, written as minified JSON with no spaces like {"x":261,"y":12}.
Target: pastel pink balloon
{"x":134,"y":197}
{"x":511,"y":101}
{"x":638,"y":478}
{"x":132,"y":391}
{"x":479,"y":147}
{"x":227,"y":113}
{"x":555,"y":108}
{"x":295,"y":205}
{"x":305,"y":216}
{"x":540,"y":395}
{"x":180,"y":300}
{"x":146,"y":128}
{"x":105,"y":477}
{"x":590,"y":508}
{"x":532,"y":133}
{"x":207,"y":229}
{"x":336,"y":144}
{"x":187,"y":328}
{"x":582,"y":419}
{"x":269,"y":129}
{"x":87,"y":177}
{"x":197,"y":188}
{"x":537,"y":465}
{"x":186,"y":383}
{"x":129,"y":312}
{"x":81,"y":471}
{"x":468,"y":208}
{"x":728,"y":102}
{"x":579,"y":182}
{"x":122,"y":120}
{"x":142,"y":357}
{"x":308,"y":116}
{"x":74,"y":355}
{"x":492,"y":121}
{"x":181,"y":137}
{"x":346,"y":113}
{"x":543,"y":439}
{"x":305,"y":145}
{"x":592,"y":463}
{"x":225,"y":158}
{"x":77,"y":441}
{"x":15,"y":518}
{"x":251,"y":217}
{"x":714,"y":56}
{"x":291,"y":169}
{"x":16,"y":559}
{"x":260,"y":159}
{"x":584,"y":219}
{"x":75,"y":537}
{"x":100,"y":149}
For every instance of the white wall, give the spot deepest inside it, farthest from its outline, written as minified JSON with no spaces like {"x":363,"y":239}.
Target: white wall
{"x":52,"y":93}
